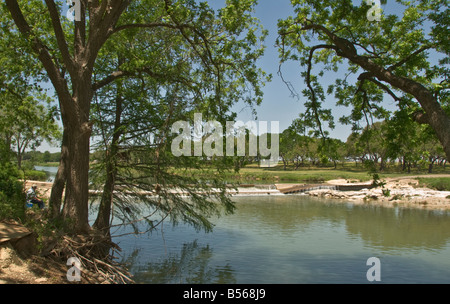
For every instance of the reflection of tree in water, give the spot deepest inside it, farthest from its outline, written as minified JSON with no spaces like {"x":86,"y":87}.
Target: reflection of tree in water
{"x":190,"y":266}
{"x":387,"y":227}
{"x":393,"y":228}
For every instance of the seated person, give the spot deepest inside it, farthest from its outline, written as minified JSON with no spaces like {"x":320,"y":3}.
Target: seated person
{"x":32,"y":197}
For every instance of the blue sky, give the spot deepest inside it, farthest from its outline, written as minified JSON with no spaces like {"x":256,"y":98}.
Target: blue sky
{"x":278,"y":104}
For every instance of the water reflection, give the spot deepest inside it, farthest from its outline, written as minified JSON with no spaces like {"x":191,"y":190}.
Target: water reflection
{"x":387,"y":227}
{"x":399,"y":228}
{"x":49,"y":171}
{"x":298,"y":239}
{"x":190,"y":266}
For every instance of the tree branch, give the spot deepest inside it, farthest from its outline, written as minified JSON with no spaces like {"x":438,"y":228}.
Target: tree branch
{"x":368,"y":76}
{"x":144,"y":25}
{"x":41,"y":50}
{"x":420,"y":117}
{"x":60,"y":38}
{"x":308,"y":82}
{"x":404,"y":60}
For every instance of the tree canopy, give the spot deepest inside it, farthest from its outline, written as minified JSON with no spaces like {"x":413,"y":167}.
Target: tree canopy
{"x":404,"y":56}
{"x":212,"y":55}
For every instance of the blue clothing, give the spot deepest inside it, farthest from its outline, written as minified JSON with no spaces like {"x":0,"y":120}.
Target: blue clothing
{"x":32,"y":198}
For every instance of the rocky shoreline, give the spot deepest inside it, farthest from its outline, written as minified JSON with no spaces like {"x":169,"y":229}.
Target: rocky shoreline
{"x":396,"y":192}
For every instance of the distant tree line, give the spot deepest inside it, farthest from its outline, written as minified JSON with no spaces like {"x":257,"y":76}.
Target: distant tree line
{"x":394,"y":142}
{"x":42,"y":157}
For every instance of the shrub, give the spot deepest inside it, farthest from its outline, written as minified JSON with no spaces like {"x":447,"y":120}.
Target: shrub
{"x":35,"y":175}
{"x":12,"y":196}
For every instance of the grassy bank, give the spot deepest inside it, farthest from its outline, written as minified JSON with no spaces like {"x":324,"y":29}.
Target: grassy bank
{"x":322,"y":174}
{"x":441,"y":184}
{"x":255,"y":174}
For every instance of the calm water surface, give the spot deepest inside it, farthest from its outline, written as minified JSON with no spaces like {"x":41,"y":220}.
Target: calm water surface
{"x":296,"y":239}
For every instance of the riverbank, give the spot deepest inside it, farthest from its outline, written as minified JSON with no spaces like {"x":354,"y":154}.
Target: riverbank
{"x":400,"y":191}
{"x":403,"y":190}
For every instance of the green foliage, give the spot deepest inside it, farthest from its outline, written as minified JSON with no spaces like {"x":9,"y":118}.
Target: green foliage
{"x":438,"y":183}
{"x":161,"y":60}
{"x":26,"y":122}
{"x":34,"y":175}
{"x":410,"y":41}
{"x":41,"y":158}
{"x":398,"y":138}
{"x":209,"y":64}
{"x":12,"y":197}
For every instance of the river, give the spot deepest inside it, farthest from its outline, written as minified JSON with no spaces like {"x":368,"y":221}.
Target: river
{"x":296,"y":239}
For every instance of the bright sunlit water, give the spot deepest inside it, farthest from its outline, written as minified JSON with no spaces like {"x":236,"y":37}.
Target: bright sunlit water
{"x":296,"y":239}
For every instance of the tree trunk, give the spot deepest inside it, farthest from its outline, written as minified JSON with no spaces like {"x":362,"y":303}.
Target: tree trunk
{"x":78,"y":127}
{"x":430,"y":166}
{"x":104,"y":213}
{"x":75,"y":210}
{"x":382,"y":164}
{"x":75,"y":105}
{"x":60,"y":180}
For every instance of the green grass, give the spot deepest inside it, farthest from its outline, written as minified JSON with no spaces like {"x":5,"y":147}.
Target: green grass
{"x":438,"y":183}
{"x":47,"y":164}
{"x":318,"y":174}
{"x":302,"y":175}
{"x":253,"y":174}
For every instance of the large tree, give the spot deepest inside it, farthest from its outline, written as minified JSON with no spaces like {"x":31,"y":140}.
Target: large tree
{"x":226,"y":44}
{"x":404,"y":56}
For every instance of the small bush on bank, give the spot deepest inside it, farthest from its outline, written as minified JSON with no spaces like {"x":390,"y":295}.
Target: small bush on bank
{"x":12,"y":196}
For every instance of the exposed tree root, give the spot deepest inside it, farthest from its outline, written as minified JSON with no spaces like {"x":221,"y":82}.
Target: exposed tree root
{"x":95,"y":255}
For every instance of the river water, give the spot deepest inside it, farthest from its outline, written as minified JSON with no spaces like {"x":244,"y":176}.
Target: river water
{"x":296,"y":239}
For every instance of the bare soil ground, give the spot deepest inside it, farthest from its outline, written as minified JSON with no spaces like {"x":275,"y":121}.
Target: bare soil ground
{"x":15,"y":269}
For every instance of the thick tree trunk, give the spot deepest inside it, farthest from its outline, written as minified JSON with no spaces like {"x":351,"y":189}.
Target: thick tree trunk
{"x":75,"y":210}
{"x":74,"y":106}
{"x":77,"y":125}
{"x":104,"y":212}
